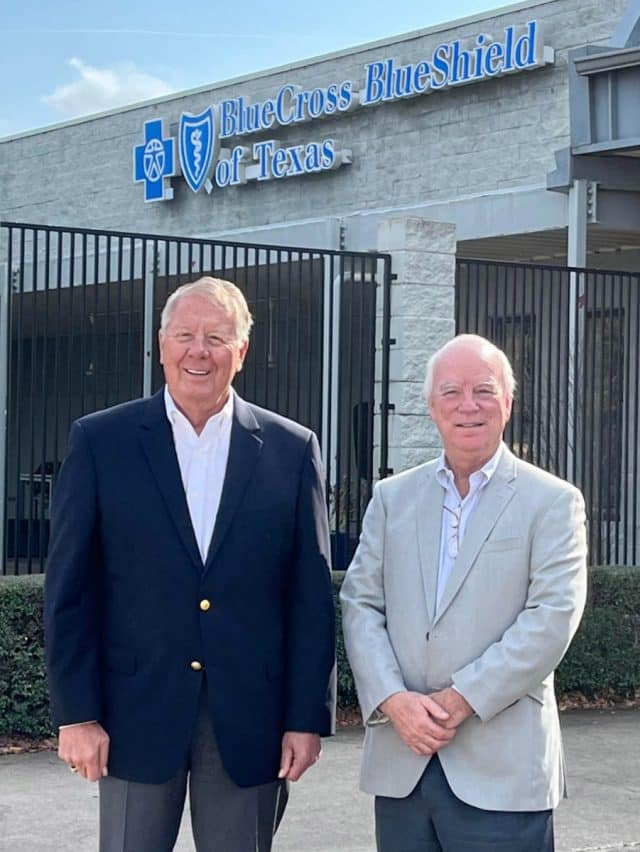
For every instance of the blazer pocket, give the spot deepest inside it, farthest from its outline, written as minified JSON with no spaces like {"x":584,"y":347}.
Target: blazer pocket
{"x":120,"y":660}
{"x":497,"y":544}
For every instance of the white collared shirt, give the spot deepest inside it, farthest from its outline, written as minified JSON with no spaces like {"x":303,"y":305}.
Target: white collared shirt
{"x":203,"y":463}
{"x":458,"y":510}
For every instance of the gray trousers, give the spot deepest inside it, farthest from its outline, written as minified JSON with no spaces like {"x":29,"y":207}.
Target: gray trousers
{"x":433,"y":819}
{"x":224,"y":817}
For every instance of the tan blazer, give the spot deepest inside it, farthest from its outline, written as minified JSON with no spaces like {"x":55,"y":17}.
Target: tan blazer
{"x":507,"y":615}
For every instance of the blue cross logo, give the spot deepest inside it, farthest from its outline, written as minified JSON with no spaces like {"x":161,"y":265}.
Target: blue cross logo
{"x":154,"y":162}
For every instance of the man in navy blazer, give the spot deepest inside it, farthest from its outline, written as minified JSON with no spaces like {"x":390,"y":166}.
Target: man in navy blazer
{"x":188,"y":610}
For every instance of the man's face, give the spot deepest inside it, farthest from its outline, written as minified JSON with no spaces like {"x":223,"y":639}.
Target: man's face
{"x":468,"y":403}
{"x":199,"y":354}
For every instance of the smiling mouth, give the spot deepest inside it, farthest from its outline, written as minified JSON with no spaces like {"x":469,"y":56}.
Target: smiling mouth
{"x":197,"y":372}
{"x":468,"y":425}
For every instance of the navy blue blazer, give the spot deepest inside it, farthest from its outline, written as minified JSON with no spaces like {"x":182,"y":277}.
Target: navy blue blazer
{"x":125,"y":579}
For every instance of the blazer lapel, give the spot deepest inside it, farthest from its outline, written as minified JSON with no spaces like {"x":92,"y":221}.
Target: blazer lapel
{"x":244,"y":449}
{"x":491,"y":504}
{"x":428,"y":531}
{"x":157,"y":444}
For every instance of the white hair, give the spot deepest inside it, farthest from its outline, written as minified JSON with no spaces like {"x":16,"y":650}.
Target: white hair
{"x":223,"y":294}
{"x":484,"y":347}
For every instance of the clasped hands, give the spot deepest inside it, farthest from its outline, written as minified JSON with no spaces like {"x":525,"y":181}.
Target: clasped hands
{"x":426,"y":723}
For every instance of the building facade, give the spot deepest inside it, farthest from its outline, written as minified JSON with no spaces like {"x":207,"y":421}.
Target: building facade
{"x":509,"y":137}
{"x":475,"y":147}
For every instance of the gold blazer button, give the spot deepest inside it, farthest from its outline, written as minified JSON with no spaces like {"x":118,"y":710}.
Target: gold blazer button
{"x":196,"y":666}
{"x":205,"y":605}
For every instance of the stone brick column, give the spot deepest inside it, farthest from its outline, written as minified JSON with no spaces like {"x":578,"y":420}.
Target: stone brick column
{"x":422,"y":319}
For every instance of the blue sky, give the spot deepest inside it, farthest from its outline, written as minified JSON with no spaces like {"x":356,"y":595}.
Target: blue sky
{"x":63,"y":59}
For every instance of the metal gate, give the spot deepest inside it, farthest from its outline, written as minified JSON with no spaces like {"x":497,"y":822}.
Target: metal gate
{"x":79,"y":312}
{"x":573,"y":337}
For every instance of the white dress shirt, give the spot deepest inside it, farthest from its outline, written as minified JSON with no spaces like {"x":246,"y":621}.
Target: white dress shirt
{"x":456,"y":512}
{"x":203,"y":463}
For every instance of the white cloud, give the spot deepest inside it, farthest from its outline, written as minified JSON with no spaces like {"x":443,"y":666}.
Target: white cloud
{"x":100,"y":89}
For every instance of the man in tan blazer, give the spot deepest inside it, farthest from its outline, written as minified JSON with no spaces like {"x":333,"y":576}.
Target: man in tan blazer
{"x":465,"y":591}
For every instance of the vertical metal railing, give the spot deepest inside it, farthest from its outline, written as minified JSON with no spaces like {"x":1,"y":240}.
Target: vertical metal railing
{"x":385,"y":349}
{"x":5,"y":368}
{"x":572,"y":336}
{"x":81,"y":309}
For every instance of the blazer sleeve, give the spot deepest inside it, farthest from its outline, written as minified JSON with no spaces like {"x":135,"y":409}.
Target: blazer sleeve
{"x":72,"y":589}
{"x":373,"y":661}
{"x":532,"y":647}
{"x":310,"y":671}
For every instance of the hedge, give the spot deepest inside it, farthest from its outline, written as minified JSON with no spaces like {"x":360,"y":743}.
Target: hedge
{"x":604,"y":656}
{"x":24,"y":700}
{"x":605,"y":653}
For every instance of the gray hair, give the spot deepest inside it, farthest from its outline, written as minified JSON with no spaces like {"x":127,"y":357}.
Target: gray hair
{"x":223,"y":294}
{"x":484,"y":347}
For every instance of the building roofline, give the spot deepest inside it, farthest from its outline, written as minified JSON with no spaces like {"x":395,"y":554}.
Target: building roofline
{"x":498,"y":11}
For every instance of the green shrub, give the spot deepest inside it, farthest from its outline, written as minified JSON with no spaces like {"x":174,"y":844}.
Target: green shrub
{"x":604,"y":656}
{"x":347,"y":696}
{"x":605,"y":653}
{"x":24,"y":700}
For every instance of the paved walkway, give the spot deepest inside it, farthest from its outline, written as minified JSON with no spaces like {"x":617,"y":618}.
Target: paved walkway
{"x":44,"y":808}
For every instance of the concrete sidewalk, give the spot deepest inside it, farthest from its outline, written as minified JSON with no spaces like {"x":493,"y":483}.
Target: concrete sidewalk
{"x":44,"y":808}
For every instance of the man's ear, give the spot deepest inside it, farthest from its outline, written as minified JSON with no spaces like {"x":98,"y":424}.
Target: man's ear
{"x":242,"y":352}
{"x":509,"y":401}
{"x":160,"y":339}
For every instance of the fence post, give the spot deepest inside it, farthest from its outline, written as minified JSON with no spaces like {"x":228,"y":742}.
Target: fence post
{"x":385,"y":408}
{"x":149,"y":270}
{"x":5,"y":285}
{"x":576,"y":257}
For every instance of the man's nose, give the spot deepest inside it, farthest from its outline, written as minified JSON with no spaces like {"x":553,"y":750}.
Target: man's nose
{"x":199,"y":345}
{"x":468,"y":402}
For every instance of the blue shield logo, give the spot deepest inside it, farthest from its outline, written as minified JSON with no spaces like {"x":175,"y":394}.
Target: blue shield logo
{"x":196,"y":136}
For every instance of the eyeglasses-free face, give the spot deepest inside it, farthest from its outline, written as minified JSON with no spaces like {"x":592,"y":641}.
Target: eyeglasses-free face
{"x":200,"y":354}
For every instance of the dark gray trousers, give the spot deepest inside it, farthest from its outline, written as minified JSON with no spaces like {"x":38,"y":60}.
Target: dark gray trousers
{"x":433,"y":819}
{"x":224,"y":817}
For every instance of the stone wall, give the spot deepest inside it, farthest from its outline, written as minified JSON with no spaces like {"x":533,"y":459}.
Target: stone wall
{"x":422,"y":320}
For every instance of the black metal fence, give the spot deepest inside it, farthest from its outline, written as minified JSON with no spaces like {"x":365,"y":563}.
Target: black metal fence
{"x":573,"y":337}
{"x":79,"y":312}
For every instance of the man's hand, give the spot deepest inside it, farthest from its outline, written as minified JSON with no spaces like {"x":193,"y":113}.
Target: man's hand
{"x":421,"y":722}
{"x":299,"y":752}
{"x":85,"y":748}
{"x":455,"y":704}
